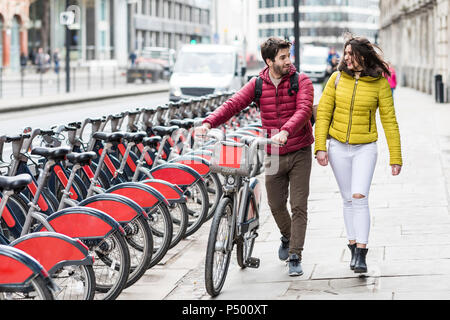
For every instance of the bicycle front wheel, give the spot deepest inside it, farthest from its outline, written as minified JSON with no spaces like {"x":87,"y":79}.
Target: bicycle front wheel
{"x":217,"y":256}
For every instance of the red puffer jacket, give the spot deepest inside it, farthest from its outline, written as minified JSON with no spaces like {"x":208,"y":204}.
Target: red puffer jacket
{"x":279,"y":111}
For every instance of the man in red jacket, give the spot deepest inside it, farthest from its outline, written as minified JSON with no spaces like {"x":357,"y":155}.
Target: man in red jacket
{"x":285,"y":119}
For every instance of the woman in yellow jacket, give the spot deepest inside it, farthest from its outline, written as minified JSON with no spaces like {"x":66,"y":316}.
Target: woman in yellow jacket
{"x":346,"y":114}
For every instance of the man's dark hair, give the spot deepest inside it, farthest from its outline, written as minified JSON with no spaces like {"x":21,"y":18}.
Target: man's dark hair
{"x":270,"y":48}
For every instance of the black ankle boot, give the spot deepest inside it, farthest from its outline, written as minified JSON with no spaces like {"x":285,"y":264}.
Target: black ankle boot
{"x":360,"y":260}
{"x":352,"y":248}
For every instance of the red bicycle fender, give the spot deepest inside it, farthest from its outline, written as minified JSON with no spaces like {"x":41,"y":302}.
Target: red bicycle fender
{"x":121,"y":212}
{"x":13,"y":271}
{"x":195,"y":162}
{"x":141,"y":197}
{"x":82,"y":222}
{"x":53,"y":249}
{"x":170,"y":191}
{"x":173,"y":174}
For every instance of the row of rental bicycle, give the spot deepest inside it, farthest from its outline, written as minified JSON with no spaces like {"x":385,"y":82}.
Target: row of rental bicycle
{"x":88,"y":207}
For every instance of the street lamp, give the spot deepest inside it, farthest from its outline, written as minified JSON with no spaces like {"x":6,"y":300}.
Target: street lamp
{"x":297,"y":35}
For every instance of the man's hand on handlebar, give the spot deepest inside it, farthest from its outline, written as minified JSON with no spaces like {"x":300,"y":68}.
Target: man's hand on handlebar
{"x":281,"y":137}
{"x":202,"y":131}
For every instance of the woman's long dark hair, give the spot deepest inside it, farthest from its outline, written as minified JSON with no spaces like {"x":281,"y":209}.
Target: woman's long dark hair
{"x":364,"y":53}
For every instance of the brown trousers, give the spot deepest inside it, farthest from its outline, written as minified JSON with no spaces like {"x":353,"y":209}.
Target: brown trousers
{"x":288,"y":175}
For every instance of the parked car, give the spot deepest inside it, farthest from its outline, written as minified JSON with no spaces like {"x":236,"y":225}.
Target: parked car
{"x":154,"y":63}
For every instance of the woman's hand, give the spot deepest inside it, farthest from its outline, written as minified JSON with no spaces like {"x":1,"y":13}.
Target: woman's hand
{"x":322,"y":158}
{"x":396,"y":168}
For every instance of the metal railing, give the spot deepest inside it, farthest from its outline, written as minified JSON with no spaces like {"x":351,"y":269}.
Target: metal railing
{"x":34,"y":81}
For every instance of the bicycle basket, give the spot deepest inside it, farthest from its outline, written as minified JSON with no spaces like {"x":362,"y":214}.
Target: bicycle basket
{"x":230,"y":158}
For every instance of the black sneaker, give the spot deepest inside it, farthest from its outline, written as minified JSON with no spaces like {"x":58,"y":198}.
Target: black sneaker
{"x":283,"y":250}
{"x":295,"y":267}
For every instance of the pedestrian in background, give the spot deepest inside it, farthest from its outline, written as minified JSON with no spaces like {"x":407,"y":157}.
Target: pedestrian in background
{"x":40,"y":60}
{"x":331,"y":68}
{"x":392,"y":78}
{"x":56,"y":60}
{"x":285,"y":117}
{"x":133,"y":58}
{"x":346,"y":112}
{"x":23,"y":61}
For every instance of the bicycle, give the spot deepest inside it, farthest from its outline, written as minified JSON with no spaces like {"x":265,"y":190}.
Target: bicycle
{"x":236,"y":219}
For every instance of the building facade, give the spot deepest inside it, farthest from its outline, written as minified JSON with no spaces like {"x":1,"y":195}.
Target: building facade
{"x":107,"y":31}
{"x":169,"y":23}
{"x":14,"y":22}
{"x":322,"y":22}
{"x":414,"y":35}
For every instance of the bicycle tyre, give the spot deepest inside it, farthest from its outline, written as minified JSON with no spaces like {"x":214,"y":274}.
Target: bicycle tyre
{"x":85,"y":277}
{"x":163,"y":234}
{"x":213,"y":283}
{"x":180,"y":223}
{"x":111,"y":290}
{"x":195,"y":222}
{"x":140,"y":251}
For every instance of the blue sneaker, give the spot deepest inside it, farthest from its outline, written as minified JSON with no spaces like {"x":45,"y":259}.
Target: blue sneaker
{"x":295,"y":267}
{"x":283,"y":250}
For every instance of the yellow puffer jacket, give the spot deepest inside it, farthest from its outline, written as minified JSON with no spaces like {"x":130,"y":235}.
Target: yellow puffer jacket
{"x":354,"y":121}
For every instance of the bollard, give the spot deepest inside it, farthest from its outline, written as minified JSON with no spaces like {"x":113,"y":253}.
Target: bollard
{"x":439,"y":88}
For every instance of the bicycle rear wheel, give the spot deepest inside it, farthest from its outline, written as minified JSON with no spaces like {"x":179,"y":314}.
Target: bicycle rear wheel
{"x":198,"y":206}
{"x":37,"y":290}
{"x":111,"y":266}
{"x":140,"y":244}
{"x":179,"y":214}
{"x":161,"y":225}
{"x":75,"y":282}
{"x":217,"y":256}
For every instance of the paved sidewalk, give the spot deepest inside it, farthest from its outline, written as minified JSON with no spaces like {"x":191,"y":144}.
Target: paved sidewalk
{"x":409,"y":244}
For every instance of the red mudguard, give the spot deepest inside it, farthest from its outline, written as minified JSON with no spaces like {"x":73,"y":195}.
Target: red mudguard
{"x":53,"y":250}
{"x":82,"y":222}
{"x":197,"y":163}
{"x":121,"y":208}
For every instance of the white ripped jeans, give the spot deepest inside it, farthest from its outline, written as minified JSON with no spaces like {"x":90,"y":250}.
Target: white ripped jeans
{"x":353,"y":166}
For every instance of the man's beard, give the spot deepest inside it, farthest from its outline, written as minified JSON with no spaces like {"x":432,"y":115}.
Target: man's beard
{"x":279,"y":69}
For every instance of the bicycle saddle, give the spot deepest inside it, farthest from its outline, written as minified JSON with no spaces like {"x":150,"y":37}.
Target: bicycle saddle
{"x":113,"y":137}
{"x":151,"y":141}
{"x":94,"y":120}
{"x":15,"y":138}
{"x":16,"y":183}
{"x":76,"y":124}
{"x":135,"y":137}
{"x":164,"y":131}
{"x":58,"y":153}
{"x":133,"y":112}
{"x":83,"y":158}
{"x":150,"y":110}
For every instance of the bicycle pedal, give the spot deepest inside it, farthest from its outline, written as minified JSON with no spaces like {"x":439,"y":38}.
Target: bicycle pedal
{"x":252,"y":262}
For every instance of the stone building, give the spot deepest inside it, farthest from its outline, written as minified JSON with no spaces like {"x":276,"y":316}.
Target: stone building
{"x":414,"y":36}
{"x":14,"y":36}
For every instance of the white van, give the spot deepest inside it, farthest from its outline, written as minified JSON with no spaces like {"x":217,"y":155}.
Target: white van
{"x":313,"y":62}
{"x":203,"y":69}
